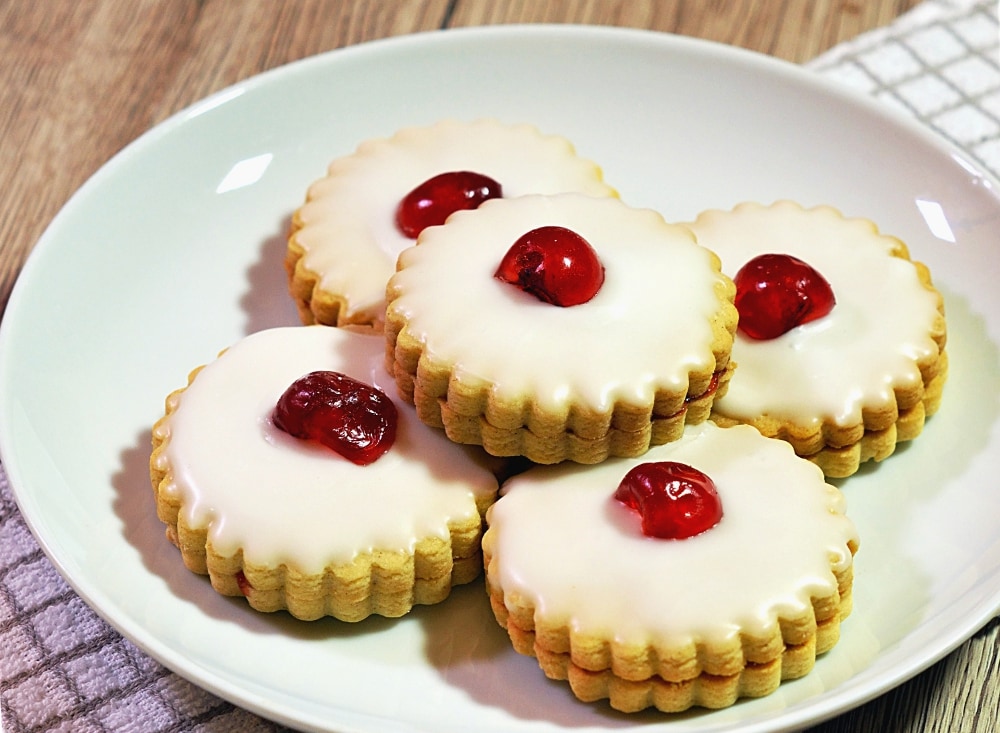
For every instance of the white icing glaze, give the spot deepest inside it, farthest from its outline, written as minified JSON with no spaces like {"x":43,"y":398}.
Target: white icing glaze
{"x":558,"y":538}
{"x":350,"y":236}
{"x":852,"y":358}
{"x":286,"y":500}
{"x":647,"y":327}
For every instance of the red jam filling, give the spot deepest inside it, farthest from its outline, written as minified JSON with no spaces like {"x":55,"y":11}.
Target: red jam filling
{"x":437,"y":198}
{"x":355,"y":419}
{"x":674,"y":500}
{"x":243,"y":583}
{"x":713,"y":387}
{"x":554,"y":264}
{"x":777,"y":292}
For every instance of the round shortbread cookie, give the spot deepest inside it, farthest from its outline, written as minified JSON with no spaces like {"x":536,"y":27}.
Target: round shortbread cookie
{"x":848,"y":387}
{"x":291,"y":524}
{"x":496,"y":366}
{"x":673,"y":623}
{"x":344,"y":240}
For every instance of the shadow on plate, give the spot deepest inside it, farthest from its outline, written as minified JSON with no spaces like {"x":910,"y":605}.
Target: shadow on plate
{"x":266,"y":302}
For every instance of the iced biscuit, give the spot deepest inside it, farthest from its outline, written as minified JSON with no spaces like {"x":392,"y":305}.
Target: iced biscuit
{"x":290,"y":523}
{"x":495,"y":364}
{"x":646,"y":621}
{"x":345,"y":238}
{"x":849,"y":386}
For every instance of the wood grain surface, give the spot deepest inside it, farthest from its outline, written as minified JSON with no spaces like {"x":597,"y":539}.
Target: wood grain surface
{"x":82,"y":79}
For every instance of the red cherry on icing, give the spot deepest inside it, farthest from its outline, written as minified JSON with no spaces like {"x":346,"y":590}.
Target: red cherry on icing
{"x":554,"y":264}
{"x":437,"y":198}
{"x":777,"y":292}
{"x":355,"y":419}
{"x":675,"y":500}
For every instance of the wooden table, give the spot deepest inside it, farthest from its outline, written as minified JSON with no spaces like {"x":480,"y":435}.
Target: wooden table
{"x":82,"y":79}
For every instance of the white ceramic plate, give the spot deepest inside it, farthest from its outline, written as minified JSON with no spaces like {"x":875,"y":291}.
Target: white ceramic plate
{"x":173,"y":251}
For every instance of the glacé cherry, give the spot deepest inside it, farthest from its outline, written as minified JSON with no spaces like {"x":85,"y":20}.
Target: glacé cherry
{"x":675,"y":500}
{"x":554,"y":264}
{"x":355,"y":419}
{"x":777,"y":292}
{"x":437,"y":198}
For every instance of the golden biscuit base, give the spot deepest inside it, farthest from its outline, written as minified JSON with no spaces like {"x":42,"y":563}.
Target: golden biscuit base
{"x":314,"y":304}
{"x":383,"y":582}
{"x":673,"y":679}
{"x":471,"y":414}
{"x":839,"y":450}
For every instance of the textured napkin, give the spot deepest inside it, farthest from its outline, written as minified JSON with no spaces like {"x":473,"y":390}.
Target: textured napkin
{"x":63,"y":669}
{"x":940,"y":63}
